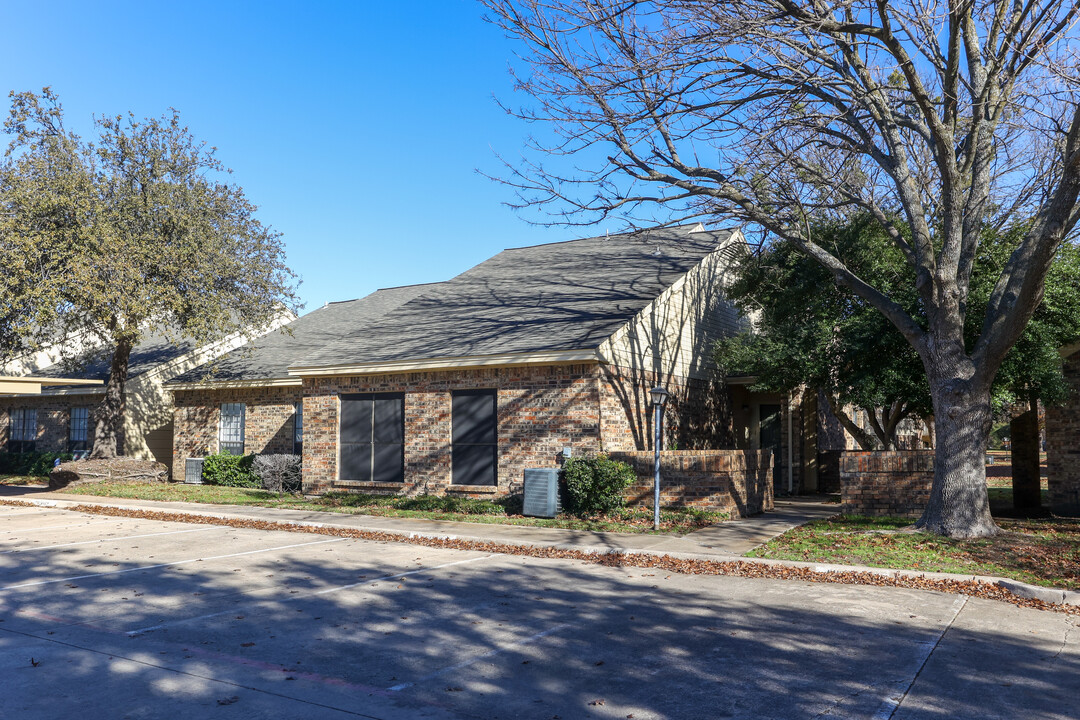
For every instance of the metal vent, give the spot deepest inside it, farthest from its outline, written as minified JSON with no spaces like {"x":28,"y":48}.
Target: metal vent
{"x":542,"y":492}
{"x":193,"y":471}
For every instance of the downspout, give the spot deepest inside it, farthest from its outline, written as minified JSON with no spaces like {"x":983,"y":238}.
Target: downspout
{"x":790,"y":442}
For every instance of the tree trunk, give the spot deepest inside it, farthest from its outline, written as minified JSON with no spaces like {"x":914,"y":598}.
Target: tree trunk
{"x":110,"y":413}
{"x":1027,"y":490}
{"x":863,"y":438}
{"x":959,"y":506}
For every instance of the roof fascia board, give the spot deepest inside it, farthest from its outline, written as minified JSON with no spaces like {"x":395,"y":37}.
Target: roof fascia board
{"x":225,"y":384}
{"x":55,"y":392}
{"x":551,"y":357}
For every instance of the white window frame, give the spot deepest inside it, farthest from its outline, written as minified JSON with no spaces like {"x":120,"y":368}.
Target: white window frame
{"x":24,"y":424}
{"x":231,"y":427}
{"x":83,"y":426}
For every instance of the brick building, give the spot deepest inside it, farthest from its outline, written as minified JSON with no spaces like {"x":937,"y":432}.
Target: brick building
{"x":459,"y":386}
{"x":60,"y":418}
{"x":1063,"y":441}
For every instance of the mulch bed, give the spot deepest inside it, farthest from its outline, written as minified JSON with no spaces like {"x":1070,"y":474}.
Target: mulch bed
{"x":736,"y":568}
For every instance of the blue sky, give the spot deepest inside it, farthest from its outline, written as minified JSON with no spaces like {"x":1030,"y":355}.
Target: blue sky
{"x":357,"y":127}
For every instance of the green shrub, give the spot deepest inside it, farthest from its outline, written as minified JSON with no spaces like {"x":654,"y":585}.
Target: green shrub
{"x":230,"y":470}
{"x":38,"y":464}
{"x":594,"y":485}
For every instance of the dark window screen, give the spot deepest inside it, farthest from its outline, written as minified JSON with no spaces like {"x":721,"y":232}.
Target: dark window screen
{"x":475,"y":438}
{"x":769,"y":434}
{"x":769,"y":427}
{"x":372,"y":436}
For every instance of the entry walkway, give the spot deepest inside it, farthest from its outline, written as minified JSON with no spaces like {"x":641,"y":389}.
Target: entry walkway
{"x":738,"y":537}
{"x":725,"y":540}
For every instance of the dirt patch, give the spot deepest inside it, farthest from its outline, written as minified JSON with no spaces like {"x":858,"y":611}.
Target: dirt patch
{"x":81,"y":472}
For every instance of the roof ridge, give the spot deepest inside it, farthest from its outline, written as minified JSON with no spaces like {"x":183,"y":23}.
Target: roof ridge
{"x":392,"y":287}
{"x":608,"y":235}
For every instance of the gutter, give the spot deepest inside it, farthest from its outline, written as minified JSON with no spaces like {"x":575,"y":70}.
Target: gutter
{"x":226,"y":384}
{"x":549,"y":357}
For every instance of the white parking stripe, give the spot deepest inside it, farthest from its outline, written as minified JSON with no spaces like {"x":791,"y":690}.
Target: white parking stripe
{"x":302,"y":596}
{"x":161,"y":565}
{"x":110,"y":539}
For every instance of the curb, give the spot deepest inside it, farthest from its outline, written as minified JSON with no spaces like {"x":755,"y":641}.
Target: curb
{"x":1026,"y":591}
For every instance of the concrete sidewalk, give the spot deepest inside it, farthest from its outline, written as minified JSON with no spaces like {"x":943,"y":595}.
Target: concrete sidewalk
{"x":726,"y":540}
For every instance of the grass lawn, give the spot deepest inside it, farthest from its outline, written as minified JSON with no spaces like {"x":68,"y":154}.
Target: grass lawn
{"x":23,"y":480}
{"x":630,"y":520}
{"x":1041,"y":552}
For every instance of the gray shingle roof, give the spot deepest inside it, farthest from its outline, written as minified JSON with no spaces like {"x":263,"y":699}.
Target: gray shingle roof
{"x":269,"y":357}
{"x":561,"y":296}
{"x":151,"y":352}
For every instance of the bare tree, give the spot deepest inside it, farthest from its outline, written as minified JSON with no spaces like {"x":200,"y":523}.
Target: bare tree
{"x":957,"y":117}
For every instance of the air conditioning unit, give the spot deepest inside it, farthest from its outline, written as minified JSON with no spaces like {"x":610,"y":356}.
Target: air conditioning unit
{"x":193,"y":471}
{"x":542,"y":492}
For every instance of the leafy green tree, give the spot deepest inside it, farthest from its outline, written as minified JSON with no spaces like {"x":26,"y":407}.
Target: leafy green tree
{"x":810,"y":332}
{"x":134,"y":233}
{"x":1031,"y":372}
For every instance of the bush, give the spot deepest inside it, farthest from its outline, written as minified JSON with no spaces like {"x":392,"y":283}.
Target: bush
{"x":279,"y":473}
{"x":38,"y":464}
{"x":594,"y":485}
{"x":230,"y":470}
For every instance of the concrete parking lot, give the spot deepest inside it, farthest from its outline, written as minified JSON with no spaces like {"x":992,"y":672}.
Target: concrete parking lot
{"x":105,"y":617}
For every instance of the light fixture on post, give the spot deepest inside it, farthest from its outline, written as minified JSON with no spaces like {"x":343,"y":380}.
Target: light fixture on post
{"x":659,"y":396}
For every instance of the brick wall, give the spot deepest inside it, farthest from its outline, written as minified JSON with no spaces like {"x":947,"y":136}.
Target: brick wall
{"x":735,"y":481}
{"x":697,"y":414}
{"x":268,"y":420}
{"x":540,"y":411}
{"x":1063,"y":445}
{"x":53,"y":418}
{"x":885,"y":483}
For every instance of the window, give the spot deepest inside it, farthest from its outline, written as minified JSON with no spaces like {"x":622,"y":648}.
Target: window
{"x":298,"y":429}
{"x":79,"y":427}
{"x":474,"y":454}
{"x":23,"y":430}
{"x":231,"y":432}
{"x":372,"y":432}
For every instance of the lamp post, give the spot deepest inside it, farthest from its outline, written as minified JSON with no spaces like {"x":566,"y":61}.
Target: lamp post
{"x":659,"y":396}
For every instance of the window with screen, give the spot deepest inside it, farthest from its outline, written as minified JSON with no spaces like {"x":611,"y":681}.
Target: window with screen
{"x":23,"y":432}
{"x":474,"y":453}
{"x":79,"y":429}
{"x":372,"y":436}
{"x":231,"y":432}
{"x":298,"y":429}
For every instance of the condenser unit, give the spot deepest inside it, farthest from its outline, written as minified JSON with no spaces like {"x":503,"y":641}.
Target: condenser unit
{"x":193,"y":471}
{"x":542,"y":492}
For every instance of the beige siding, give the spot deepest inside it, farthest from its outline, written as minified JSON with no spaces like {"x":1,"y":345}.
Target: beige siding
{"x":148,"y":422}
{"x":674,"y":335}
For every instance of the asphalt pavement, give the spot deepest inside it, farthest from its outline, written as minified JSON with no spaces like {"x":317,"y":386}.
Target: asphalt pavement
{"x":119,"y":617}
